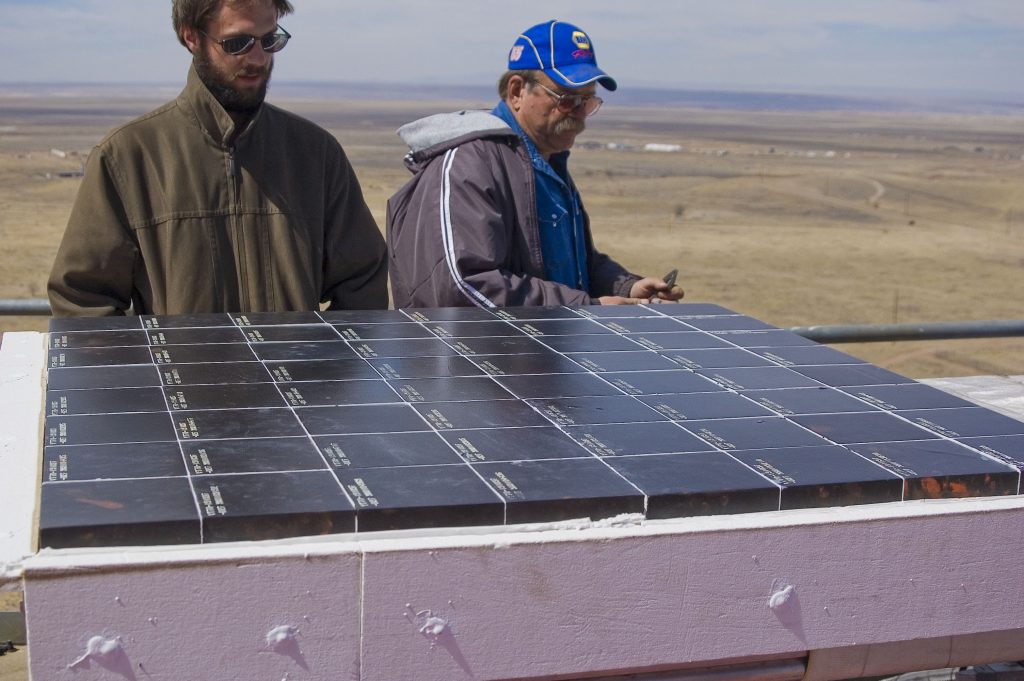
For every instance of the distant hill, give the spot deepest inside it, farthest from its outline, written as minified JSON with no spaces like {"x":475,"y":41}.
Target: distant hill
{"x":479,"y":95}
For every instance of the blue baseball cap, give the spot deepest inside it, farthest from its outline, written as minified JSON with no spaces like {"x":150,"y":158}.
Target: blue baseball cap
{"x":562,"y":51}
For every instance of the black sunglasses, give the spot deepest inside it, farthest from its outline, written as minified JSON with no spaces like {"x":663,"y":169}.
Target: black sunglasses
{"x":241,"y":44}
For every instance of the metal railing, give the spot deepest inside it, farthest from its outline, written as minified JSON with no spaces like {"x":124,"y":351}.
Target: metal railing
{"x":874,"y":333}
{"x":24,"y":306}
{"x":837,"y":333}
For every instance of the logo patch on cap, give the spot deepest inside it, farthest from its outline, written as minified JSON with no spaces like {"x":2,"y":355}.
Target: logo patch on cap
{"x":516,"y":53}
{"x":582,"y":42}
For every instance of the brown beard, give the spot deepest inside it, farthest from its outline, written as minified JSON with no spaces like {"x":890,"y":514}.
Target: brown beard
{"x":233,"y":100}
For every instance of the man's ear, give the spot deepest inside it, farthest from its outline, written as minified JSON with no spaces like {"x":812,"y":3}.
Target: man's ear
{"x":191,"y":36}
{"x":516,"y":89}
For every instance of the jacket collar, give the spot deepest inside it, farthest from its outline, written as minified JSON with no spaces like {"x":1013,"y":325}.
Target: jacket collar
{"x":560,"y":158}
{"x":200,"y":104}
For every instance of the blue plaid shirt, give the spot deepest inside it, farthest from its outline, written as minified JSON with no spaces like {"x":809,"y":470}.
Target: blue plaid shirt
{"x":559,"y":212}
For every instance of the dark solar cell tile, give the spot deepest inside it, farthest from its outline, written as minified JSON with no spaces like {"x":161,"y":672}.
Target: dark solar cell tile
{"x":97,"y":339}
{"x":752,"y":433}
{"x":134,"y":376}
{"x":907,"y":396}
{"x":625,"y":439}
{"x":226,"y":396}
{"x":728,"y":323}
{"x":363,"y":316}
{"x":940,"y":469}
{"x":693,"y":310}
{"x":442,"y":314}
{"x":332,"y":393}
{"x":186,"y":321}
{"x":473,"y":329}
{"x":537,"y":312}
{"x":756,"y":378}
{"x":697,"y":484}
{"x":425,"y":367}
{"x":1008,"y":449}
{"x":557,"y":385}
{"x":210,"y":374}
{"x":145,"y":512}
{"x":421,"y":496}
{"x":821,"y":477}
{"x":454,"y":389}
{"x":298,"y":350}
{"x":386,"y":450}
{"x":820,"y":400}
{"x":619,"y":311}
{"x":409,"y":347}
{"x":94,"y":357}
{"x":109,"y":429}
{"x":574,"y":411}
{"x":673,"y":381}
{"x":775,"y":338}
{"x":406,"y":329}
{"x":535,"y":363}
{"x":685,"y":340}
{"x":65,"y":324}
{"x":354,"y":419}
{"x":109,"y":462}
{"x":272,"y":506}
{"x":863,"y":427}
{"x":513,"y":444}
{"x":561,"y":327}
{"x":226,"y":334}
{"x":277,"y":319}
{"x":256,"y":455}
{"x":595,"y":342}
{"x":852,"y":375}
{"x":189,"y":354}
{"x":508,"y":345}
{"x":483,"y":414}
{"x":648,"y":325}
{"x":715,"y":358}
{"x":105,"y":401}
{"x":306,"y":333}
{"x":805,"y":355}
{"x":321,"y":370}
{"x":693,"y":406}
{"x":236,"y":423}
{"x":560,"y":489}
{"x":640,"y":360}
{"x":965,"y":422}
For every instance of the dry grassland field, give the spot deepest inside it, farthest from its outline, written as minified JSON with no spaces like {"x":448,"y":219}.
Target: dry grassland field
{"x":797,"y":218}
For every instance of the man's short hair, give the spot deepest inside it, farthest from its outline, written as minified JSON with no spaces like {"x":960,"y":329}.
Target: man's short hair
{"x":197,"y":13}
{"x":529,"y":75}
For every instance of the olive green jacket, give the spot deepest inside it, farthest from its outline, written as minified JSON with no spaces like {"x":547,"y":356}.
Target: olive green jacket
{"x":176,"y":214}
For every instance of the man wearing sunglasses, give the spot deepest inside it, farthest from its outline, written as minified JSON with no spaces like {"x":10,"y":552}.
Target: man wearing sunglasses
{"x":492,"y":216}
{"x":218,"y":201}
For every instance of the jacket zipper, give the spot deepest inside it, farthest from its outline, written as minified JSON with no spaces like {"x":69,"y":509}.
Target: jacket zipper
{"x":233,"y":179}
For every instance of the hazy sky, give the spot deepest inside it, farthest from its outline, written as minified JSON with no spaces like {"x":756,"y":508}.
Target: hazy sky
{"x":801,"y":45}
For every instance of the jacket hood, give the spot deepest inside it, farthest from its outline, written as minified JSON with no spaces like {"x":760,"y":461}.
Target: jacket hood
{"x":433,"y":135}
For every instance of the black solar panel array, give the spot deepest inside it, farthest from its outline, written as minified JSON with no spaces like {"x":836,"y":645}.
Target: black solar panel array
{"x":206,"y":428}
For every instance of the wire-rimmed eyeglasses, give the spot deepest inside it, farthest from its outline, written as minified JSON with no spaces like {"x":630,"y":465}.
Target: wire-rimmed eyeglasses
{"x":241,"y":44}
{"x":567,"y":103}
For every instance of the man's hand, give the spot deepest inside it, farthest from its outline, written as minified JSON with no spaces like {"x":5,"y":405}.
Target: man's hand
{"x":654,"y":290}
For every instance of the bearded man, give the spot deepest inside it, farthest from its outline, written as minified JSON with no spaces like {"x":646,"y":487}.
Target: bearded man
{"x":492,"y":217}
{"x":218,"y":201}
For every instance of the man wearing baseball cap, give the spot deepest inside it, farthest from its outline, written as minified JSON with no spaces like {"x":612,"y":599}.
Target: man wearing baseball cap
{"x":491,"y":216}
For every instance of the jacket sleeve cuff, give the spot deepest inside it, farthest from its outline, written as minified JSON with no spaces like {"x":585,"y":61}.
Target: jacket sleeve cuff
{"x":625,"y":285}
